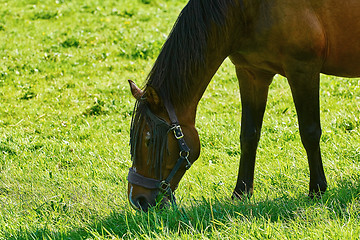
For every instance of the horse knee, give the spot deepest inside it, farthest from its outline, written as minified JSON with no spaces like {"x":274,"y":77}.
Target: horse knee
{"x":310,"y":136}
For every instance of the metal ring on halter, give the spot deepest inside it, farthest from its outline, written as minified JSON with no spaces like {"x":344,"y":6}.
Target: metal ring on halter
{"x":184,"y":154}
{"x":164,"y":186}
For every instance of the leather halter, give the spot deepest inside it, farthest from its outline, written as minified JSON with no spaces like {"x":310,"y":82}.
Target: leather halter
{"x":164,"y":184}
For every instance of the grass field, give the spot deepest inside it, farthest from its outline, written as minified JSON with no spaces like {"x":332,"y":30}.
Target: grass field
{"x":65,"y":112}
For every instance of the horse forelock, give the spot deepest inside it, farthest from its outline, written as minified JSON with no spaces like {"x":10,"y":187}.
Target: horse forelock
{"x":158,"y":129}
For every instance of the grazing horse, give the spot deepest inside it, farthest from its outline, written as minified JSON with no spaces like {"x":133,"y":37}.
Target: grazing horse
{"x":298,"y":39}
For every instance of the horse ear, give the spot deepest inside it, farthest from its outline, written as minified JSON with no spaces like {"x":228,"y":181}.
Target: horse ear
{"x":135,"y":90}
{"x":152,"y":96}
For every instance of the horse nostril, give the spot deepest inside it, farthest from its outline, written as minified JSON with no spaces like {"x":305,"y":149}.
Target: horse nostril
{"x":142,"y":203}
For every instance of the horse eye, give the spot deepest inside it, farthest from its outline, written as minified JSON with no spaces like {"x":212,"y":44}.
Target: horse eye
{"x":147,"y":138}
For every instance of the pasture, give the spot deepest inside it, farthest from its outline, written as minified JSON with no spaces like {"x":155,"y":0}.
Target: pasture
{"x":65,"y":112}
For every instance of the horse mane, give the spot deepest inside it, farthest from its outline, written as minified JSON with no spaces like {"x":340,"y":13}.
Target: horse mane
{"x":184,"y":51}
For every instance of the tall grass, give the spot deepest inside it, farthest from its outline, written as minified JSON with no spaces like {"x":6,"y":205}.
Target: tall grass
{"x":65,"y":110}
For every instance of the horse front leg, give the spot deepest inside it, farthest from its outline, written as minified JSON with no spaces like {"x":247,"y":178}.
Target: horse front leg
{"x":305,"y":91}
{"x":254,"y":87}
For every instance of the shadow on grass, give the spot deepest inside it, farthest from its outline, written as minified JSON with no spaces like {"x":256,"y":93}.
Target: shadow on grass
{"x":203,"y":213}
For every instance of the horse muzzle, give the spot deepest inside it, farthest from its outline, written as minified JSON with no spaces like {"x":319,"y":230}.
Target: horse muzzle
{"x":145,"y":193}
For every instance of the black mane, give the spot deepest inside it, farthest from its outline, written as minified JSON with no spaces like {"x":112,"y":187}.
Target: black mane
{"x":184,"y":51}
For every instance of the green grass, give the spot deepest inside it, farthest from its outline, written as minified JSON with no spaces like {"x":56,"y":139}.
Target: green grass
{"x":65,"y":111}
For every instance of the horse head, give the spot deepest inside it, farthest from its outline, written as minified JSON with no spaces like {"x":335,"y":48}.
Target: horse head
{"x":162,"y":149}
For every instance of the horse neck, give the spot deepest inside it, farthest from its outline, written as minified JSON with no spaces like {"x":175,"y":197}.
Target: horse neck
{"x":186,"y":108}
{"x":204,"y":76}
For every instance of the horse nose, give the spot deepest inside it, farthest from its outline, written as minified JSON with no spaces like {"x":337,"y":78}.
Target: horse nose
{"x":141,"y":203}
{"x":144,"y":200}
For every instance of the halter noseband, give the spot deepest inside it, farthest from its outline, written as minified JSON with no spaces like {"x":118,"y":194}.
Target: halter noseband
{"x":164,"y":185}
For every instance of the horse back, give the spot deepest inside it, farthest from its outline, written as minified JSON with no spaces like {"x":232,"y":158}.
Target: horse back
{"x":325,"y":32}
{"x":341,"y":24}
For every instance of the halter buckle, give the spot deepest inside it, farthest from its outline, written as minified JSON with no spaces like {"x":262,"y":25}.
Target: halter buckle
{"x":178,"y":132}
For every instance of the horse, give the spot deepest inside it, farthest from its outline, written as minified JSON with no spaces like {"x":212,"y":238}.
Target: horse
{"x":298,"y":39}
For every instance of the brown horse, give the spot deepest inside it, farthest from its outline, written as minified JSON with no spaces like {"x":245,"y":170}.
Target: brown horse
{"x":298,"y":39}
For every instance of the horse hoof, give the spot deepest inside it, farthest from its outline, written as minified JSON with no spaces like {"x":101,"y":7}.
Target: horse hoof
{"x":316,"y":195}
{"x":236,"y":196}
{"x":240,"y":196}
